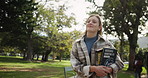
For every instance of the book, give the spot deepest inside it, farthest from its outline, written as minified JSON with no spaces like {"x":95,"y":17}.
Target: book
{"x":106,"y":56}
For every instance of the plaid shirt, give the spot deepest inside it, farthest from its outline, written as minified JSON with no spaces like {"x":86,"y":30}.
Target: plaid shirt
{"x":81,"y":61}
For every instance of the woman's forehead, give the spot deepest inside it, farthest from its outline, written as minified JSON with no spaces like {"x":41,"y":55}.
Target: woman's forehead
{"x":93,"y":18}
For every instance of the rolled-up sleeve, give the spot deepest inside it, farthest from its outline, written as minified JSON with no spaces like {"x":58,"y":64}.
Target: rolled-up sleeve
{"x":118,"y":65}
{"x":80,"y":68}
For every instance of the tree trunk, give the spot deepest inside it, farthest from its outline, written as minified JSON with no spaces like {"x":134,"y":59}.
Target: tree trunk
{"x":121,"y":46}
{"x":133,"y":45}
{"x":60,"y":58}
{"x":24,"y":55}
{"x":53,"y":56}
{"x":37,"y":57}
{"x":43,"y":56}
{"x":131,"y":58}
{"x":46,"y":54}
{"x":33,"y":56}
{"x":29,"y":53}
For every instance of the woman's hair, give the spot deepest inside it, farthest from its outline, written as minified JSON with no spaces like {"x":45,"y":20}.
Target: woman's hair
{"x":100,"y":24}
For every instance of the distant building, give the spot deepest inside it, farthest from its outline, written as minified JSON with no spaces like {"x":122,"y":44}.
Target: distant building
{"x":143,"y":42}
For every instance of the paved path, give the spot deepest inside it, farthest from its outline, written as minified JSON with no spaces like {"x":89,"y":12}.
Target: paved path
{"x":72,"y":77}
{"x":143,"y":76}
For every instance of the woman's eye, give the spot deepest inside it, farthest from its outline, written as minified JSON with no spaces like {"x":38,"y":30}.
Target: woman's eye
{"x":88,"y":21}
{"x":94,"y":21}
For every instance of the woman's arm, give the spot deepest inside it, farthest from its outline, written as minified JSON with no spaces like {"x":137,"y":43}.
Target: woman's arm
{"x":80,"y":67}
{"x":101,"y":71}
{"x":118,"y":65}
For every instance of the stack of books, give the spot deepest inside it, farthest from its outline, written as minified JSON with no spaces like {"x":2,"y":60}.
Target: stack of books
{"x":106,"y":56}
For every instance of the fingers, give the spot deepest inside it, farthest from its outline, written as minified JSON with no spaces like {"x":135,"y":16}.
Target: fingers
{"x":102,"y":70}
{"x":108,"y":69}
{"x":101,"y":74}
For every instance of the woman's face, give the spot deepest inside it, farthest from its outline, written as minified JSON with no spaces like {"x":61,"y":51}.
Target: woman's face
{"x":92,"y":24}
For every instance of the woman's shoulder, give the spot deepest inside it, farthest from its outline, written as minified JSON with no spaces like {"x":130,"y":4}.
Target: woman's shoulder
{"x":105,"y":38}
{"x":106,"y":41}
{"x":102,"y":38}
{"x":79,"y":39}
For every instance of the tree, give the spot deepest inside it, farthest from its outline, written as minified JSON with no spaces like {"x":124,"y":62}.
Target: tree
{"x":33,"y":29}
{"x":29,"y":23}
{"x":51,"y":21}
{"x":64,"y":44}
{"x":20,"y":15}
{"x":125,"y":52}
{"x":128,"y":17}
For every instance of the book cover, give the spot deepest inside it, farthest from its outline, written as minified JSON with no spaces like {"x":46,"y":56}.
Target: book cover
{"x":106,"y":56}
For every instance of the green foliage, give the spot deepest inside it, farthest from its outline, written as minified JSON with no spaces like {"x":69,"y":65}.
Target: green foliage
{"x":131,"y":15}
{"x":34,"y":29}
{"x":144,"y":50}
{"x":20,"y":15}
{"x":125,"y":52}
{"x":52,"y":21}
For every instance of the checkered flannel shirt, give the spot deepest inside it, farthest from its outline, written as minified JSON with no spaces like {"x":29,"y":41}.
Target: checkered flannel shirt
{"x":81,"y":61}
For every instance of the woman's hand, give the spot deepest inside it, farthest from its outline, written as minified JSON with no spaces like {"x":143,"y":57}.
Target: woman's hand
{"x":100,"y":70}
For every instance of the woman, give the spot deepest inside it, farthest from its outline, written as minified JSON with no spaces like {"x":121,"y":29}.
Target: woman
{"x":83,"y":56}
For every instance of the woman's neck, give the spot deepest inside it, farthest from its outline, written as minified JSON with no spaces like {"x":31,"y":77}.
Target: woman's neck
{"x":91,"y":34}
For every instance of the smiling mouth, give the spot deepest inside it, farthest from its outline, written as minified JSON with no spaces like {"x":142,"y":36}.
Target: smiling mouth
{"x":90,"y":26}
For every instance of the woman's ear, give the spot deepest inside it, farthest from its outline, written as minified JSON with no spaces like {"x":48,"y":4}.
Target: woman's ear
{"x":100,"y":27}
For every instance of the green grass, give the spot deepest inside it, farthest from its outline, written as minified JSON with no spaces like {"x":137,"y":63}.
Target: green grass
{"x":125,"y":74}
{"x":128,"y":74}
{"x":15,"y":67}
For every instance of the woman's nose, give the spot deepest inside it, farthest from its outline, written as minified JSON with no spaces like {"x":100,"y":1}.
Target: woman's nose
{"x":90,"y":22}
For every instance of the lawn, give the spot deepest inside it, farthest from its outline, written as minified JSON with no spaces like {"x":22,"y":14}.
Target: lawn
{"x":129,"y":74}
{"x":15,"y":67}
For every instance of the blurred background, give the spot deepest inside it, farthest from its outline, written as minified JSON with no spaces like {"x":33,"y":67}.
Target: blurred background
{"x":42,"y":31}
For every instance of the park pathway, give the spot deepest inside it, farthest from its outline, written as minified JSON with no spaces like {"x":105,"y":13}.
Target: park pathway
{"x":144,"y":76}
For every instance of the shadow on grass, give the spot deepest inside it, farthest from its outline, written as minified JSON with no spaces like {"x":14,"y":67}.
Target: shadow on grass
{"x":125,"y":74}
{"x":12,"y":59}
{"x":52,"y":72}
{"x":20,"y":74}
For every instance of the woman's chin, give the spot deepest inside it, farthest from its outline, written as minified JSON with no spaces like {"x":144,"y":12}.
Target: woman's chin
{"x":90,"y":30}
